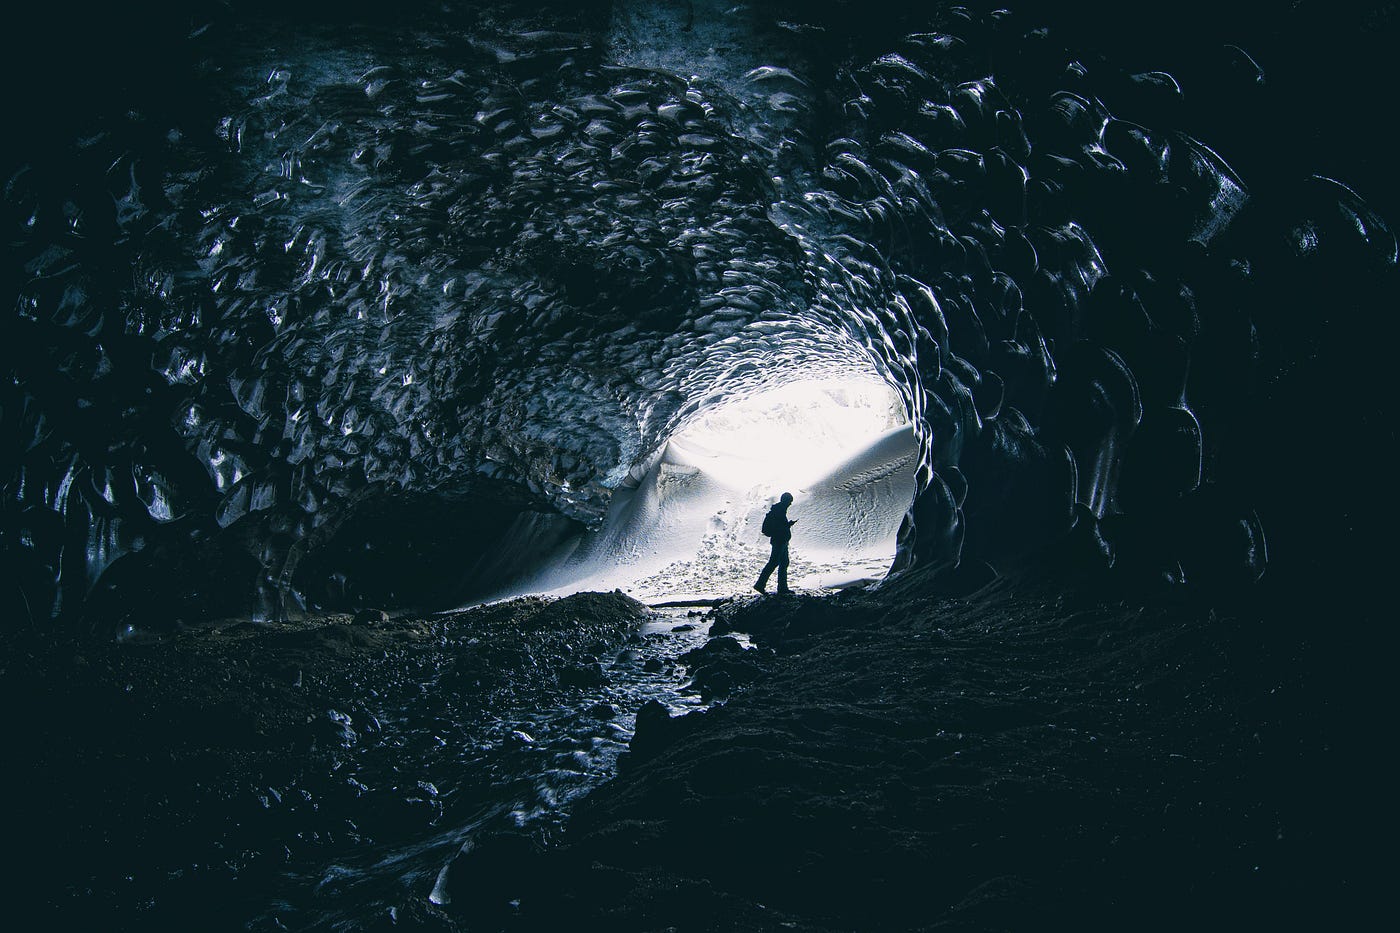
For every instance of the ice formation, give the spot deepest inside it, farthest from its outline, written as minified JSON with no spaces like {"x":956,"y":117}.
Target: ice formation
{"x":387,"y":321}
{"x":687,"y":527}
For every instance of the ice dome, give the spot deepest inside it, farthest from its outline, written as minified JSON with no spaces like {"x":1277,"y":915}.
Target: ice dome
{"x":395,"y":319}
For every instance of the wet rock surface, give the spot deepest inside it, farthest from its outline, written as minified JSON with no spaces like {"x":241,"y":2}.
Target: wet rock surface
{"x":723,"y":664}
{"x":268,"y":767}
{"x":1030,"y":754}
{"x":1022,"y":758}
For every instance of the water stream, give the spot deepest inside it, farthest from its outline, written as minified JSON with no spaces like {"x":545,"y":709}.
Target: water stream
{"x":459,"y":764}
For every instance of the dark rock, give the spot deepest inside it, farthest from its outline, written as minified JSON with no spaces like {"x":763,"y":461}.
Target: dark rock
{"x":651,"y":715}
{"x":371,"y":617}
{"x":714,"y":648}
{"x":714,"y":682}
{"x":486,"y":877}
{"x":720,"y":678}
{"x":336,"y":729}
{"x":656,"y":730}
{"x":684,"y":627}
{"x":652,"y":665}
{"x":582,"y":675}
{"x":723,"y":664}
{"x":870,"y":777}
{"x":602,"y":711}
{"x":349,"y":635}
{"x":966,"y":578}
{"x":775,"y":623}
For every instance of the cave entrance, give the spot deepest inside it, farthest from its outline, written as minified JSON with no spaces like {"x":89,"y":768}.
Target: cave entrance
{"x":687,"y":526}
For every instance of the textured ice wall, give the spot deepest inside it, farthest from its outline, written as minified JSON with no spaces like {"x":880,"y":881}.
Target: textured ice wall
{"x":384,"y":301}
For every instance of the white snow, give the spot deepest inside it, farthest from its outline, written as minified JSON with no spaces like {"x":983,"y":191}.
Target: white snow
{"x":689,"y":528}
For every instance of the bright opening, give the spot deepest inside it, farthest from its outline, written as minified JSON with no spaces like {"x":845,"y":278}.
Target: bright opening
{"x":689,"y":527}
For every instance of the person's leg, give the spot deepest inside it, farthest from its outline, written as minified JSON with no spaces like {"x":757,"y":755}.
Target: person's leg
{"x":767,"y":571}
{"x":782,"y":570}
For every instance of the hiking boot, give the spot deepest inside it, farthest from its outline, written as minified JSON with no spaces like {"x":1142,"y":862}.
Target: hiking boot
{"x":760,"y":589}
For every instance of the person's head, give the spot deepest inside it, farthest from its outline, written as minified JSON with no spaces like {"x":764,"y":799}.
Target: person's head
{"x":786,"y":498}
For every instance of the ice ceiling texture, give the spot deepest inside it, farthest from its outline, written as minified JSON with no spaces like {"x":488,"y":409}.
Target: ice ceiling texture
{"x":390,"y":313}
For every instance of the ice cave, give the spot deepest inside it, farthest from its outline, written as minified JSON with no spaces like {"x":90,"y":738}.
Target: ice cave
{"x":395,"y":394}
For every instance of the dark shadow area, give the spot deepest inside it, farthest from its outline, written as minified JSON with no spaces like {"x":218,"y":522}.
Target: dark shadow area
{"x":429,"y":551}
{"x":1027,"y":756}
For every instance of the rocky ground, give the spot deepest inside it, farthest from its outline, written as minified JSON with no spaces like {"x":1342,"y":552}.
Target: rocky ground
{"x":1023,"y":757}
{"x":155,"y":776}
{"x":1019,"y":759}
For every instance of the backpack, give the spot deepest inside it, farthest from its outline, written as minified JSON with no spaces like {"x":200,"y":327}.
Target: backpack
{"x":770,"y":524}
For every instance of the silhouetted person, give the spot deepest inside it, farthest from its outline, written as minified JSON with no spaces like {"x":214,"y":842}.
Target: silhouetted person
{"x":778,"y":527}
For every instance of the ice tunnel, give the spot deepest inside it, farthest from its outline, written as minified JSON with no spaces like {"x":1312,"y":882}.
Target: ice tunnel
{"x":331,"y":325}
{"x":400,"y":322}
{"x":684,"y":524}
